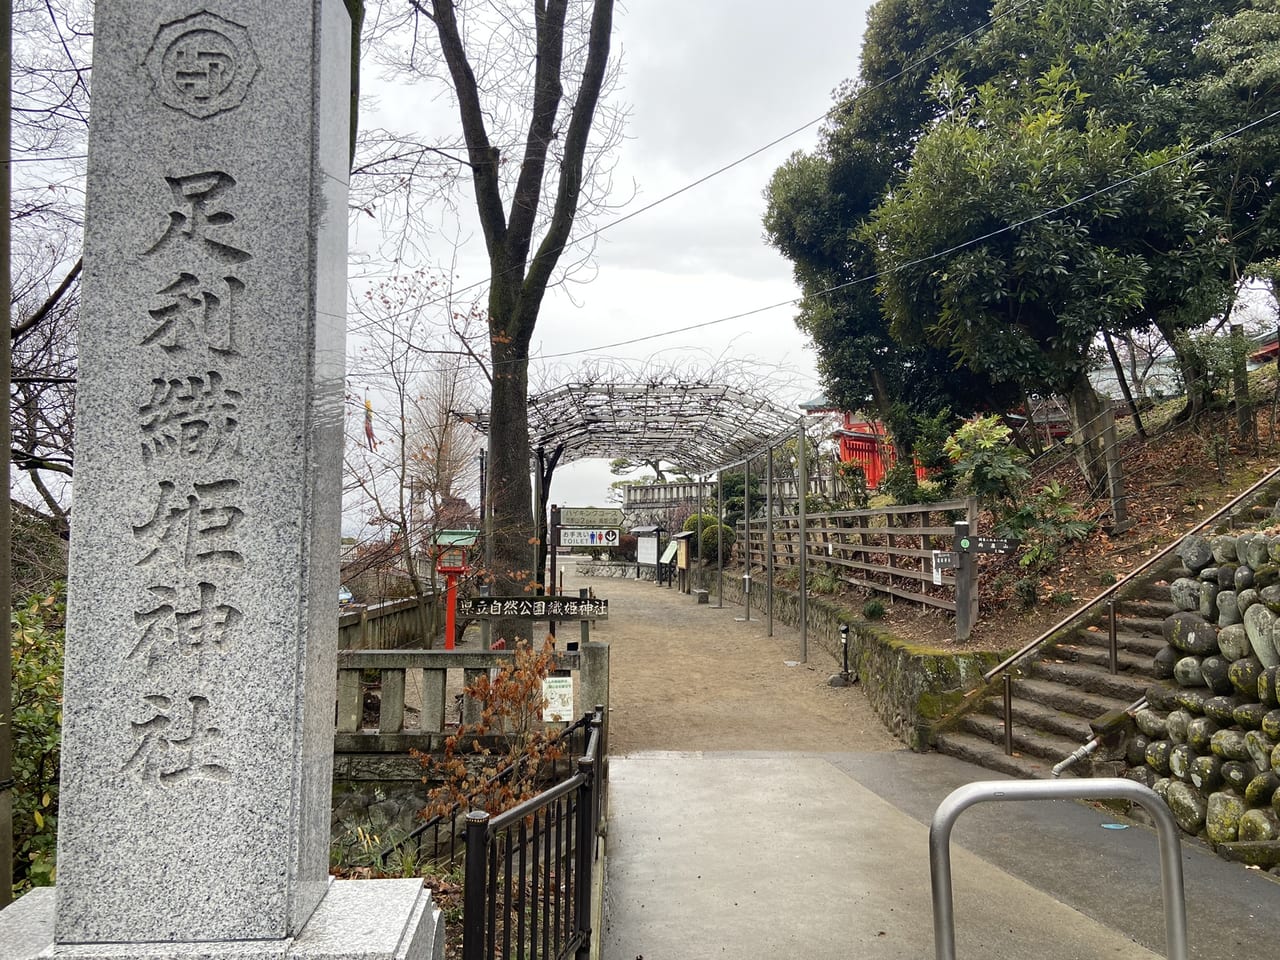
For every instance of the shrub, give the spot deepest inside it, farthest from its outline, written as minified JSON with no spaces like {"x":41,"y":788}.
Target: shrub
{"x":511,"y":705}
{"x":1027,"y":590}
{"x":854,"y":481}
{"x":990,"y":466}
{"x":900,"y":483}
{"x":711,"y":532}
{"x":1046,"y":522}
{"x":825,"y":583}
{"x":873,"y":610}
{"x":38,"y":628}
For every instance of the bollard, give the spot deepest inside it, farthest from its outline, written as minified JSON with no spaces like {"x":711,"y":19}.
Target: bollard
{"x":1105,"y":788}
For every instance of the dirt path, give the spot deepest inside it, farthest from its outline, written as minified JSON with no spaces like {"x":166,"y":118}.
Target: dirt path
{"x":685,"y":676}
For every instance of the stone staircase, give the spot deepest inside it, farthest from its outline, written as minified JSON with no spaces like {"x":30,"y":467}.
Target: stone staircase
{"x":1057,"y":693}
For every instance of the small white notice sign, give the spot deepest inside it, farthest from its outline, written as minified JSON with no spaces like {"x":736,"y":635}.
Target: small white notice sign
{"x":557,"y":695}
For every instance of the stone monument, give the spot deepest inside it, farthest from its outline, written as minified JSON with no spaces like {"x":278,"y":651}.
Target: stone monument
{"x":202,"y":610}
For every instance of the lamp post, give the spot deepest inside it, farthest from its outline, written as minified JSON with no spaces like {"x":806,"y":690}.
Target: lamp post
{"x":452,"y":562}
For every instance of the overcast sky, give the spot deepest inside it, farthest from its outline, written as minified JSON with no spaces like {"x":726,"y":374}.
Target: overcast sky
{"x":707,"y":82}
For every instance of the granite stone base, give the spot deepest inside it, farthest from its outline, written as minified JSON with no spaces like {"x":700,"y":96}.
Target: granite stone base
{"x":356,"y":920}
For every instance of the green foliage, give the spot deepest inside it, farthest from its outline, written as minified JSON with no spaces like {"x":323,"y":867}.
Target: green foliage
{"x":816,"y":202}
{"x":873,"y":610}
{"x":930,"y":445}
{"x":824,"y":583}
{"x":1028,"y":191}
{"x":900,"y":483}
{"x":38,"y":628}
{"x":1213,"y":357}
{"x":853,"y":479}
{"x":711,"y":533}
{"x":1027,"y":590}
{"x":1046,"y":522}
{"x":732,"y":485}
{"x":988,"y":463}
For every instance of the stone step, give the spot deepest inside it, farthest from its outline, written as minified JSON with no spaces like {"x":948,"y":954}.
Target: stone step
{"x":1143,"y":626}
{"x":975,"y":749}
{"x":1067,"y":699}
{"x":1027,"y":740}
{"x":1127,"y":623}
{"x":1154,"y":606}
{"x":1126,"y":661}
{"x":1125,"y":686}
{"x":1028,"y":713}
{"x":1141,"y":643}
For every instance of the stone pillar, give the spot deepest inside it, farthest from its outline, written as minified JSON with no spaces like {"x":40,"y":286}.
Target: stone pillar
{"x":202,"y":611}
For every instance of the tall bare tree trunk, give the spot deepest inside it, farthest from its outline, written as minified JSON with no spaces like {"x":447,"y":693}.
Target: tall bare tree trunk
{"x":519,"y":272}
{"x":510,"y":489}
{"x":1124,"y":385}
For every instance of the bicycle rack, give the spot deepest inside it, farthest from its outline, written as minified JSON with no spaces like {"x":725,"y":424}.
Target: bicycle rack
{"x":1103,"y":788}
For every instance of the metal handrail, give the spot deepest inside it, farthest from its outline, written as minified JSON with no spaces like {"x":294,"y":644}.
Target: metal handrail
{"x":1034,"y":645}
{"x":960,"y":799}
{"x":578,"y":844}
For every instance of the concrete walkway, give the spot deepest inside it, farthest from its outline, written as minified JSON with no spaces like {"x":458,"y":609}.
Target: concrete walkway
{"x":812,"y":854}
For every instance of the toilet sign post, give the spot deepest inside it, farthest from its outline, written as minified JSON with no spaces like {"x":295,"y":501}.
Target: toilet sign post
{"x":596,"y":537}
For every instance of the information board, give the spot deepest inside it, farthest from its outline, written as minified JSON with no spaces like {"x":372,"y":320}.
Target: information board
{"x":647,"y":550}
{"x":591,"y":516}
{"x":557,"y":697}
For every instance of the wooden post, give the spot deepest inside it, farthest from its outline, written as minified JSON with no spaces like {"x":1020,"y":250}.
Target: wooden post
{"x":966,"y":595}
{"x":1240,"y":379}
{"x":1115,"y":474}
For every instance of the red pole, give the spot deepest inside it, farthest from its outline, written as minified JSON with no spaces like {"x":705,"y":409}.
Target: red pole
{"x":450,"y":609}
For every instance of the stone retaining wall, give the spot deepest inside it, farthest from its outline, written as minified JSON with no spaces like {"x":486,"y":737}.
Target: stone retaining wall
{"x":1209,"y":742}
{"x":617,"y":569}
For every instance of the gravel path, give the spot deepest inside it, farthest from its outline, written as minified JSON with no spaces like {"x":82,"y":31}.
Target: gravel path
{"x":688,"y":676}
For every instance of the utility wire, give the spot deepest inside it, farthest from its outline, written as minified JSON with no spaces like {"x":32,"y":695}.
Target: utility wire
{"x":591,"y":235}
{"x":933,"y":256}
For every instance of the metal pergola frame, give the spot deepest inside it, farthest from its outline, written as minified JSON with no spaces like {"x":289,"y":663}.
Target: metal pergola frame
{"x":701,"y":427}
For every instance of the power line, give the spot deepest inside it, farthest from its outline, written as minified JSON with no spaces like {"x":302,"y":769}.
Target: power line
{"x":933,"y":256}
{"x":743,"y":159}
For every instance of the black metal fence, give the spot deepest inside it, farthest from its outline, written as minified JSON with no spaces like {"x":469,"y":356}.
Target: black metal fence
{"x":438,"y":839}
{"x":527,"y":892}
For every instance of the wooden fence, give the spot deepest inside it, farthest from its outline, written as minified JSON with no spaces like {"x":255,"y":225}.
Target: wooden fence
{"x":885,"y":550}
{"x":385,"y":626}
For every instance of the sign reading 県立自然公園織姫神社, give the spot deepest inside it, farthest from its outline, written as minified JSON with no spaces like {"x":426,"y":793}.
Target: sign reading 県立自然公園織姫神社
{"x":534,"y":608}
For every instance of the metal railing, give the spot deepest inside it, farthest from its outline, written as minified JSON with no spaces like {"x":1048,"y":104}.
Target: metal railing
{"x":1109,"y":788}
{"x":437,"y":838}
{"x":529,"y":871}
{"x":1108,"y":597}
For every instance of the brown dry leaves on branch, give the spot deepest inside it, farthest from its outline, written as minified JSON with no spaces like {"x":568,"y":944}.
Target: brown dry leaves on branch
{"x":509,"y":734}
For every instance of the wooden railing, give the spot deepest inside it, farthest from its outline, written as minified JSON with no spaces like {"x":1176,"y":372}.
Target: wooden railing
{"x":886,"y":550}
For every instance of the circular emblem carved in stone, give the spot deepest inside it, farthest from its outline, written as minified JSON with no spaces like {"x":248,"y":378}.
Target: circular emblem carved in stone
{"x":201,"y":64}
